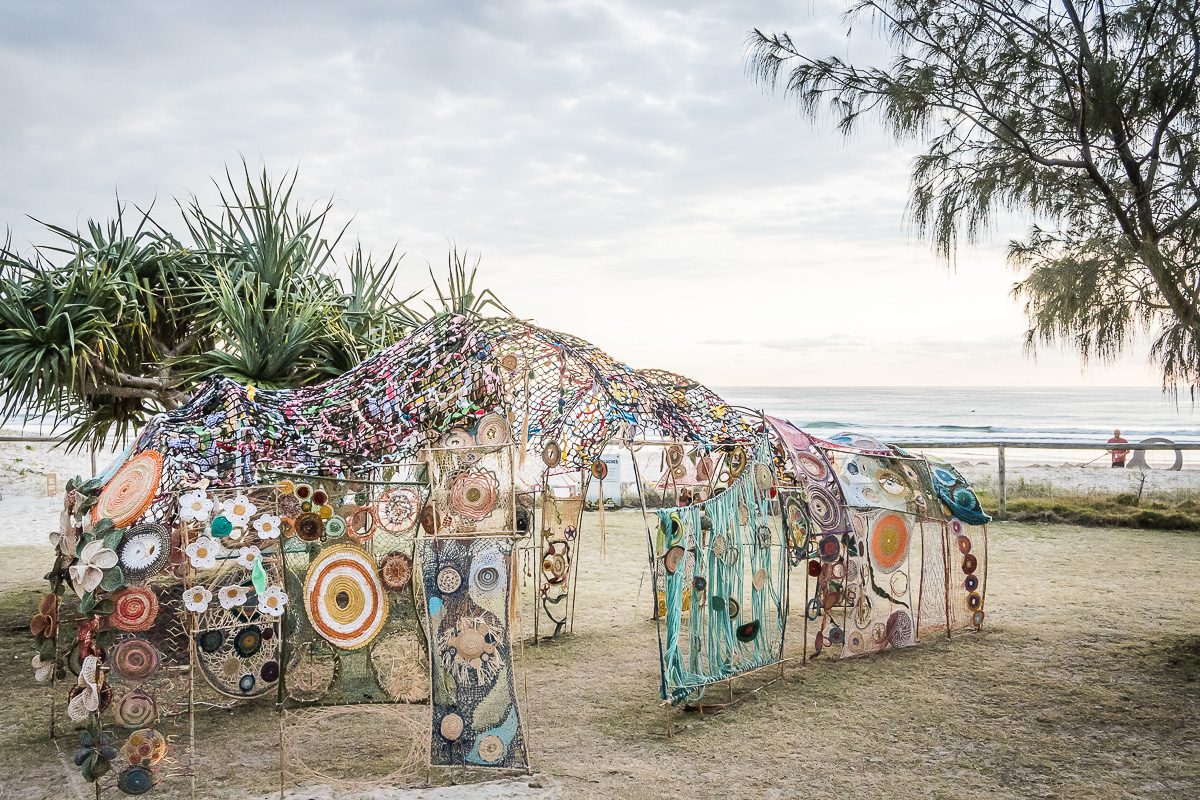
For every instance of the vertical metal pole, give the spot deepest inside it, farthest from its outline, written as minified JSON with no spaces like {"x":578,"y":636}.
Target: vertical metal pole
{"x":1003,"y":481}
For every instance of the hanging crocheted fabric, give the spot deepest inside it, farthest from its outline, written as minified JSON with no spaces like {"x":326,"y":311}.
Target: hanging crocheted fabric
{"x":722,"y":567}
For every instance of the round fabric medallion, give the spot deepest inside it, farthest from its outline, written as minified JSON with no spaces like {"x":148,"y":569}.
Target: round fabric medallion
{"x":491,"y":432}
{"x":971,"y":583}
{"x":762,"y":536}
{"x":736,"y":462}
{"x":398,"y":508}
{"x":135,"y":709}
{"x":144,"y":747}
{"x":248,"y":641}
{"x":395,"y":570}
{"x":813,"y":466}
{"x":135,"y":781}
{"x":451,"y":727}
{"x":335,"y":527}
{"x":735,"y":608}
{"x":473,"y":494}
{"x":270,"y":671}
{"x":134,"y":659}
{"x":457,"y":439}
{"x":599,"y":470}
{"x":674,"y":455}
{"x":673,"y":558}
{"x":134,"y":609}
{"x":131,"y":491}
{"x":487,"y":579}
{"x":747,"y":631}
{"x":823,"y":508}
{"x":491,"y":749}
{"x":760,"y":579}
{"x":814,"y":568}
{"x":344,"y":597}
{"x":762,"y":477}
{"x":449,"y":580}
{"x":830,"y":548}
{"x":310,"y":527}
{"x":969,"y":563}
{"x":144,"y":551}
{"x":551,"y":454}
{"x":964,"y":544}
{"x":699,"y":583}
{"x":974,"y":601}
{"x":360,"y":524}
{"x":211,"y":641}
{"x":899,"y":629}
{"x":303,"y":492}
{"x":510,"y":362}
{"x":889,"y":542}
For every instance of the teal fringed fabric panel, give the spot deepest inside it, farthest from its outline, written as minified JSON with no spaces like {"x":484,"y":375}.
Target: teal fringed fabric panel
{"x":722,"y":566}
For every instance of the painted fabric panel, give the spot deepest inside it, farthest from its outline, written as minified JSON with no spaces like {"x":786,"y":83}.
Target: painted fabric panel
{"x":468,"y":587}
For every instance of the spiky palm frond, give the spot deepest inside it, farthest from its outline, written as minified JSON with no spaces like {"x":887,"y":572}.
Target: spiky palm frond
{"x":459,"y":296}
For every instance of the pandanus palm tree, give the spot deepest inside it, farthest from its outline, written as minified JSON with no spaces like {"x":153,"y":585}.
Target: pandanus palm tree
{"x":101,"y":328}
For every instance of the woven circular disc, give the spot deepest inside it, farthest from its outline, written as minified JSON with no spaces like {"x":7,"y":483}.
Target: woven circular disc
{"x":674,"y":456}
{"x":762,"y":477}
{"x":135,"y":709}
{"x":344,"y":597}
{"x":396,"y":570}
{"x":134,"y":609}
{"x":451,"y":726}
{"x":457,"y":438}
{"x":736,"y":462}
{"x":551,"y":454}
{"x":131,"y":491}
{"x":397,"y":509}
{"x":673,"y":559}
{"x":401,"y":667}
{"x":144,"y":551}
{"x":134,"y":659}
{"x":474,"y":494}
{"x":492,"y":431}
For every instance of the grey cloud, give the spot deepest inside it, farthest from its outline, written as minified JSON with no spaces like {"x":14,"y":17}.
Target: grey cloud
{"x":527,"y":125}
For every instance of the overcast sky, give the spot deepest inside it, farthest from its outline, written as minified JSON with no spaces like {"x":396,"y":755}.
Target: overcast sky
{"x":621,"y":175}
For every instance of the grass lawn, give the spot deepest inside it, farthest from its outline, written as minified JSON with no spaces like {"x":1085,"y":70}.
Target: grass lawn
{"x":1084,"y":683}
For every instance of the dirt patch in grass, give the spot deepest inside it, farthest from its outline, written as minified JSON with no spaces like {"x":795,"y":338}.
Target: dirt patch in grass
{"x":1083,"y":684}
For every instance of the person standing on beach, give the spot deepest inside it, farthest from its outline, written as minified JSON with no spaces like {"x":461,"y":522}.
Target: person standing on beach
{"x":1118,"y":456}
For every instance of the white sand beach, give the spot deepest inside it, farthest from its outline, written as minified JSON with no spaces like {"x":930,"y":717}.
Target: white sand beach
{"x":33,"y":476}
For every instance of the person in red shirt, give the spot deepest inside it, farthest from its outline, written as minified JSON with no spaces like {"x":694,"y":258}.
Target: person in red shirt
{"x":1118,"y":456}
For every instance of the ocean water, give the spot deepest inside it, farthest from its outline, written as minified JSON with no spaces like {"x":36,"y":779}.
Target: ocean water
{"x":958,"y":414}
{"x":992,"y":414}
{"x":985,"y":414}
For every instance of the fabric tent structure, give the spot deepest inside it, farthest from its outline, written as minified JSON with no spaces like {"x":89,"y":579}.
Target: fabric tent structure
{"x":555,"y":389}
{"x":360,"y":543}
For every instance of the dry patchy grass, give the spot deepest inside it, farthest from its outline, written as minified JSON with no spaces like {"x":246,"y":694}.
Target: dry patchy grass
{"x":1085,"y":683}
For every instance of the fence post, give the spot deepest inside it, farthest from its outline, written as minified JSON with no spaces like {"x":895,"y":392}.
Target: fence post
{"x":1003,"y":500}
